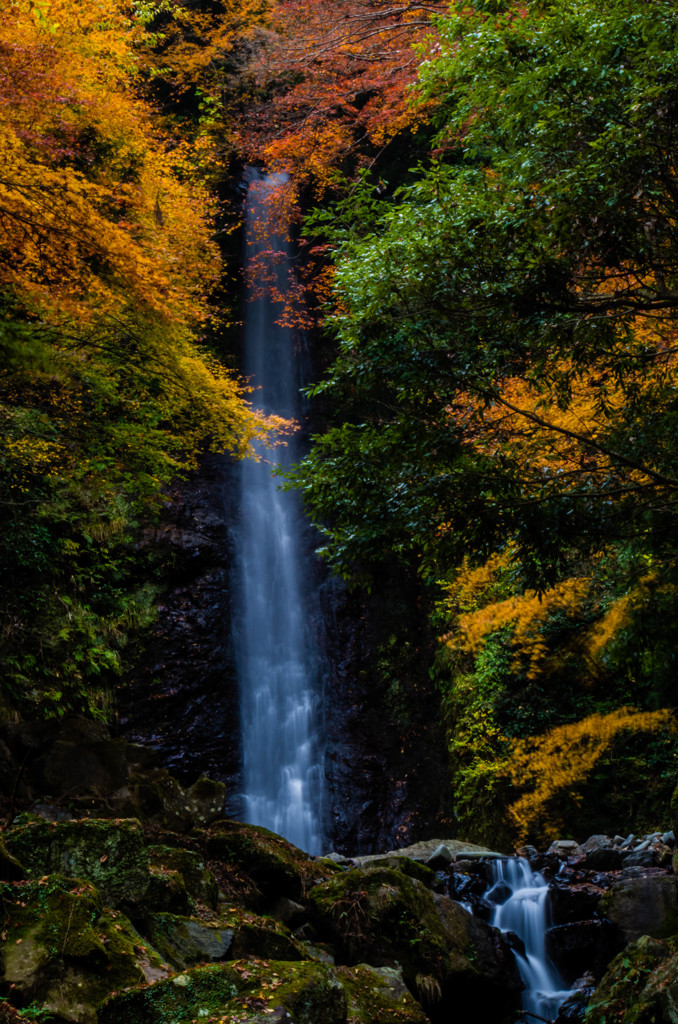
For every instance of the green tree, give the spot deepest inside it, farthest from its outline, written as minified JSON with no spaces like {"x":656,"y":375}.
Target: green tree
{"x":506,"y":323}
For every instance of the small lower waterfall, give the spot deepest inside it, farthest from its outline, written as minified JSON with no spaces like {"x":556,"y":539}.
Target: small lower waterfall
{"x":276,"y":660}
{"x":525,"y":912}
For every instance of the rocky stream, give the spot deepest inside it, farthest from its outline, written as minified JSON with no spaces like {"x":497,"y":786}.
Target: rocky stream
{"x":128,"y":898}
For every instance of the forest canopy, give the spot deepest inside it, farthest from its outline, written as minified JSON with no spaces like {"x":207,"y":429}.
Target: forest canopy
{"x":505,"y":315}
{"x":108,"y":389}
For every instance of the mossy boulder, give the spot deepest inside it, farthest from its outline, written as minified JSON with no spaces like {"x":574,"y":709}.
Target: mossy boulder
{"x":109,"y":853}
{"x":247,"y":990}
{"x":167,"y":892}
{"x":205,"y":800}
{"x":448,"y":958}
{"x":198,"y":881}
{"x":639,"y":987}
{"x":378,"y":994}
{"x":269,"y":866}
{"x":412,"y":868}
{"x":62,"y":950}
{"x":186,"y":941}
{"x":643,"y":906}
{"x":265,"y":938}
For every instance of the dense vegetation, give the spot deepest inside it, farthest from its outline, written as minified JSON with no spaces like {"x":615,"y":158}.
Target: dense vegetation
{"x":108,"y":388}
{"x":494,"y":263}
{"x":506,"y":381}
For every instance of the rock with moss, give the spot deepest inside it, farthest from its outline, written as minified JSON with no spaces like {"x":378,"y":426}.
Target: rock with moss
{"x":199,"y":882}
{"x":64,"y":951}
{"x":160,"y":800}
{"x":167,"y":892}
{"x":265,"y":938}
{"x":109,"y":853}
{"x":269,"y":866}
{"x":643,"y":906}
{"x":205,"y":800}
{"x":639,"y":987}
{"x":378,"y":994}
{"x":246,"y":991}
{"x":185,"y":941}
{"x":448,"y":958}
{"x":412,"y":868}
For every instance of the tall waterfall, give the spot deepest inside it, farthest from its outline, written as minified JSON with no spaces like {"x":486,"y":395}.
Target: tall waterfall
{"x":525,"y":912}
{"x":276,"y":659}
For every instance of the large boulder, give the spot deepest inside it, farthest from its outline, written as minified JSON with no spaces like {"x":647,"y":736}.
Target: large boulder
{"x":65,"y":952}
{"x":378,"y":994}
{"x":639,"y":987}
{"x":246,"y":990}
{"x":643,"y":906}
{"x":448,"y":958}
{"x":256,"y":991}
{"x":264,"y":865}
{"x":581,"y":946}
{"x":185,"y":941}
{"x":109,"y":853}
{"x":198,"y":881}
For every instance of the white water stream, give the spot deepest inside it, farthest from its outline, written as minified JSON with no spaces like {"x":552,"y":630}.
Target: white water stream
{"x":276,"y":660}
{"x":526,"y":913}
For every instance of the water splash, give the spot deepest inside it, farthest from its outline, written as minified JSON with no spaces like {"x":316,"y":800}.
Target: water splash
{"x":276,"y":660}
{"x":526,"y":913}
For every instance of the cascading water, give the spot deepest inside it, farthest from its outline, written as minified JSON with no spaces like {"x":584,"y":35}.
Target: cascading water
{"x":276,"y":660}
{"x":525,"y":913}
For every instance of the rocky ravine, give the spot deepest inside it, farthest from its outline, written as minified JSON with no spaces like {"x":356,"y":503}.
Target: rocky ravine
{"x":136,"y":902}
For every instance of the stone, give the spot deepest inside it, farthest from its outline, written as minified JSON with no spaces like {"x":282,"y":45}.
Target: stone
{"x":66,"y":952}
{"x":310,"y":993}
{"x":643,"y":906}
{"x":185,"y":941}
{"x":109,"y":853}
{"x":266,"y":939}
{"x":167,"y":893}
{"x":622,"y":995}
{"x":604,"y":858}
{"x":205,"y":800}
{"x":413,"y":868}
{"x":580,"y":946}
{"x":441,"y":858}
{"x":499,"y":893}
{"x":643,"y":859}
{"x":421,"y":851}
{"x":378,"y":994}
{"x":575,"y":902}
{"x":596,"y":843}
{"x":267,"y":865}
{"x":289,"y":912}
{"x":564,"y":848}
{"x":339,"y":858}
{"x":198,"y":881}
{"x":383,"y":917}
{"x":573,"y":1010}
{"x":668,"y":838}
{"x":528,"y":853}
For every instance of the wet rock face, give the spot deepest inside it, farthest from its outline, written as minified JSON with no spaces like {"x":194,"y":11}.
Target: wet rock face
{"x":181,"y":698}
{"x":448,"y":958}
{"x":385,"y":753}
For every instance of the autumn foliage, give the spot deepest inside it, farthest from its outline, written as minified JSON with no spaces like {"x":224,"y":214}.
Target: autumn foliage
{"x":107,"y":387}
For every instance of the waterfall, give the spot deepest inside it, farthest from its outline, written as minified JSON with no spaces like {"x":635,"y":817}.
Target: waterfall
{"x":276,"y":660}
{"x":525,"y":912}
